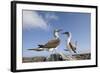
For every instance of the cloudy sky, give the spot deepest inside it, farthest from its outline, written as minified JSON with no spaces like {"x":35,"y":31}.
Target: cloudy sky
{"x":38,"y":27}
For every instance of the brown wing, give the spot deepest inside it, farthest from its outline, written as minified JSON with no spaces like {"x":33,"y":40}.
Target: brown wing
{"x":72,"y":46}
{"x":52,"y":43}
{"x":36,"y":49}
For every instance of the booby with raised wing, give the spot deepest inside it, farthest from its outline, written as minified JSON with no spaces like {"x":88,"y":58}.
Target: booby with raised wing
{"x":51,"y":44}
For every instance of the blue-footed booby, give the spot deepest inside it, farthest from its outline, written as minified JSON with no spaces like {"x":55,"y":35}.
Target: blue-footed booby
{"x":51,"y":44}
{"x":70,"y":46}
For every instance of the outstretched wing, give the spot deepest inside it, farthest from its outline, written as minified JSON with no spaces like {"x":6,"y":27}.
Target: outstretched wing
{"x":36,"y":49}
{"x":52,"y":43}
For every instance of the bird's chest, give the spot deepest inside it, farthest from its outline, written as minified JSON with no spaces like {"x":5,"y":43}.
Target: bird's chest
{"x":68,"y":46}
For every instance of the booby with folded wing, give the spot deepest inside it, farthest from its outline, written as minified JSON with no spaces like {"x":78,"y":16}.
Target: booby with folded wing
{"x":70,"y":46}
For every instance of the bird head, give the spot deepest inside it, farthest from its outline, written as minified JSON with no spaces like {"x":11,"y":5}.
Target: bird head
{"x":56,"y":32}
{"x":67,"y":33}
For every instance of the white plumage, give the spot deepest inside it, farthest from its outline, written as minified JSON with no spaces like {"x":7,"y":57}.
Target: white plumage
{"x":70,"y":45}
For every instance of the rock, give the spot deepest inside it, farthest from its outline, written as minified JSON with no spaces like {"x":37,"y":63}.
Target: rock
{"x":55,"y":57}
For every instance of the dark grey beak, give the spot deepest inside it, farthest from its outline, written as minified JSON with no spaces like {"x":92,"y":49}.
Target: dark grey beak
{"x":65,"y":33}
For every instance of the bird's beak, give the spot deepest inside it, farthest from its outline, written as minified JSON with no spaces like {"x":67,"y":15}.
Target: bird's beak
{"x":65,"y":33}
{"x":59,"y":30}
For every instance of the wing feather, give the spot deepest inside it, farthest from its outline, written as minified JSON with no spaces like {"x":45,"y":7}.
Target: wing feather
{"x":72,"y":46}
{"x":36,"y":49}
{"x":52,"y":43}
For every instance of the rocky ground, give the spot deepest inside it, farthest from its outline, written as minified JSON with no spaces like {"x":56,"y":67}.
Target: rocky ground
{"x":57,"y":57}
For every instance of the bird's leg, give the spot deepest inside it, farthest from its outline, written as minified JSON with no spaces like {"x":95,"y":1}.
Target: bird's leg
{"x":49,"y":57}
{"x":56,"y":54}
{"x":71,"y":57}
{"x":55,"y":51}
{"x":52,"y":55}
